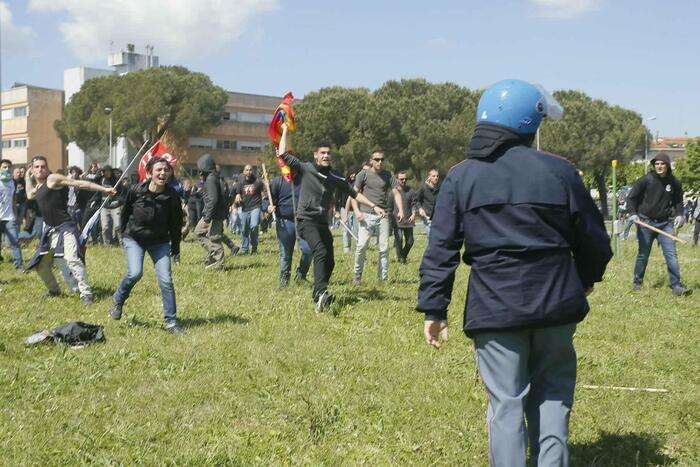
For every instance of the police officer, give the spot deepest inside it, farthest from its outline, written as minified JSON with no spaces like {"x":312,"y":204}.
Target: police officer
{"x":536,"y":244}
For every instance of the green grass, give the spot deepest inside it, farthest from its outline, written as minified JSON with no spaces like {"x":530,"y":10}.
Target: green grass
{"x":259,"y":378}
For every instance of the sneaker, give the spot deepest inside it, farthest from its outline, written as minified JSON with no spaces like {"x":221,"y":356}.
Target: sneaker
{"x":284,"y":283}
{"x":681,"y":290}
{"x":234,"y":250}
{"x":299,"y":279}
{"x":356,"y":281}
{"x":174,"y":328}
{"x":636,"y":287}
{"x":51,"y":294}
{"x":87,"y":300}
{"x":115,"y":312}
{"x":324,"y":301}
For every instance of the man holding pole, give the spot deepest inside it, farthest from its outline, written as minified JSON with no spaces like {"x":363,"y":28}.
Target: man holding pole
{"x":655,"y":200}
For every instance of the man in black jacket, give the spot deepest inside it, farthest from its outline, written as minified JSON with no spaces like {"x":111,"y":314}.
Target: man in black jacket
{"x":151,"y":222}
{"x":210,"y":228}
{"x":536,"y":244}
{"x":426,"y":195}
{"x":655,"y":199}
{"x":319,"y":184}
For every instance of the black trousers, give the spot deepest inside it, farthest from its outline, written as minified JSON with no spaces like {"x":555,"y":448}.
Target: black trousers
{"x":403,"y":241}
{"x":320,"y":240}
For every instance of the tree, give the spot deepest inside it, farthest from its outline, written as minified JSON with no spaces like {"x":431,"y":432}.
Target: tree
{"x":688,"y":170}
{"x":146,"y":104}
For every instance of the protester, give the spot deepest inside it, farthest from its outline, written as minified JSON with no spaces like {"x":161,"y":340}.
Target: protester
{"x":151,"y":221}
{"x":377,"y":185}
{"x":426,"y":195}
{"x":403,"y":229}
{"x":249,"y":192}
{"x":347,"y":215}
{"x":696,"y":218}
{"x":536,"y":244}
{"x":655,"y":199}
{"x":281,"y":194}
{"x":20,"y":196}
{"x":210,"y":228}
{"x":110,"y":214}
{"x":60,"y":237}
{"x":318,"y":185}
{"x":9,"y":212}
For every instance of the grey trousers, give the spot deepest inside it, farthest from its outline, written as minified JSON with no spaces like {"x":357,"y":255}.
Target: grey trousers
{"x":211,"y":238}
{"x":528,"y":374}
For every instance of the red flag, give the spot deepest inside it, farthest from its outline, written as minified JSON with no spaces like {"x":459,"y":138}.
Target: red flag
{"x":284,"y":113}
{"x":160,"y":150}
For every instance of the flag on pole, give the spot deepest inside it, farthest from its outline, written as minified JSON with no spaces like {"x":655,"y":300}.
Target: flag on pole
{"x":284,"y":113}
{"x":157,"y":150}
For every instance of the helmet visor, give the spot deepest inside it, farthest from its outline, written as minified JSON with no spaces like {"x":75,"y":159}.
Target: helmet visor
{"x":552,"y":108}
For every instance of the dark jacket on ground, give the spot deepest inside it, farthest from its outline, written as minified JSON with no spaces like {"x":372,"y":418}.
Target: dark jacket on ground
{"x":319,"y":185}
{"x":533,"y":236}
{"x":426,"y":196}
{"x":215,"y":202}
{"x":152,"y":218}
{"x":281,"y":193}
{"x":656,"y":198}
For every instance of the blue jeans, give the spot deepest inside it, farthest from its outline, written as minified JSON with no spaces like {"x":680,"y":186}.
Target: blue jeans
{"x":37,"y":229}
{"x":250,"y":222}
{"x":529,"y":375}
{"x":645,"y":239}
{"x":286,"y":235}
{"x":160,"y":255}
{"x":9,"y":228}
{"x":352,"y":224}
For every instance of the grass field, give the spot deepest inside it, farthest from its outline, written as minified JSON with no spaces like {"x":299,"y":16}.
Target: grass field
{"x":260,"y":379}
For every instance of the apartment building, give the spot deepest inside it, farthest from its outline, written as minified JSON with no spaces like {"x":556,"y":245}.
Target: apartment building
{"x":28,"y":116}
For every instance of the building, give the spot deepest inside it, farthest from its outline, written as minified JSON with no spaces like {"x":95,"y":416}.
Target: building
{"x":121,"y":63}
{"x":28,"y":116}
{"x":673,"y":146}
{"x":241,"y":137}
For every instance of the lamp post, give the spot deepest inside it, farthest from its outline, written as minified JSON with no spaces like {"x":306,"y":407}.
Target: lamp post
{"x":108,"y":111}
{"x":646,"y":138}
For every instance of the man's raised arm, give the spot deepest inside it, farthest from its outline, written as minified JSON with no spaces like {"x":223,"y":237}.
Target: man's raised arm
{"x":56,"y":181}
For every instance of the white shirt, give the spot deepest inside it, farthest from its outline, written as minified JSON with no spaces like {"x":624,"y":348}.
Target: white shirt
{"x":7,"y":194}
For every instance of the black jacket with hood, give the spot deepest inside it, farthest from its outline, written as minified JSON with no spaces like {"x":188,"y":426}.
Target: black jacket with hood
{"x":215,"y":202}
{"x":533,"y":237}
{"x":654,"y":197}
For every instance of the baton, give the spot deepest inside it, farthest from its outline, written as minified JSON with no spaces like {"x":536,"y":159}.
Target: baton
{"x":348,"y":229}
{"x":659,"y":231}
{"x":267,"y":187}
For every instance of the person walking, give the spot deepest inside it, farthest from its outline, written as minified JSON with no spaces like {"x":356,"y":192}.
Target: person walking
{"x":151,"y":221}
{"x":249,"y":191}
{"x":110,"y":214}
{"x":60,"y":235}
{"x":210,"y":228}
{"x":377,"y":184}
{"x":281,"y":194}
{"x":319,"y":184}
{"x":696,"y":218}
{"x":9,"y":212}
{"x":536,"y":244}
{"x":426,"y":195}
{"x":403,"y":230}
{"x":657,"y":200}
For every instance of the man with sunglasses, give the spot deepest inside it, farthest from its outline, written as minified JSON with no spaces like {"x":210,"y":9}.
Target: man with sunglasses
{"x":319,"y":183}
{"x":60,"y":236}
{"x":403,"y":230}
{"x":377,"y":184}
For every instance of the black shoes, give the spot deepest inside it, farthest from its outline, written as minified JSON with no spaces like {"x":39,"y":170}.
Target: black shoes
{"x":636,"y":287}
{"x":681,"y":290}
{"x":323,"y":302}
{"x":174,"y":328}
{"x":115,"y":312}
{"x":87,"y":300}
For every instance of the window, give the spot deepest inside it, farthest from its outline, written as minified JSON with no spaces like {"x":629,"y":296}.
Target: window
{"x":20,"y":111}
{"x":250,"y":117}
{"x":250,"y":146}
{"x":19,"y":143}
{"x":207,"y":143}
{"x":225,"y":144}
{"x":7,"y":114}
{"x":226,"y":116}
{"x":6,"y":144}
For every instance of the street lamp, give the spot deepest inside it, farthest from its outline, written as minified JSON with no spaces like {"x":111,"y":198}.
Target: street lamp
{"x":646,"y":138}
{"x":108,"y":111}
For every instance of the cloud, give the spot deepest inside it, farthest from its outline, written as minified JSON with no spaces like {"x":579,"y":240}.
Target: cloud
{"x":178,"y":29}
{"x":564,"y":9}
{"x":15,"y":39}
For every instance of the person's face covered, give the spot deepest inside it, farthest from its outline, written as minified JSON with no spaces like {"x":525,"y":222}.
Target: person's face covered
{"x":5,"y":172}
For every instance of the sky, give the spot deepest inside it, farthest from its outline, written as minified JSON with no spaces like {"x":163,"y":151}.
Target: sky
{"x":639,"y":54}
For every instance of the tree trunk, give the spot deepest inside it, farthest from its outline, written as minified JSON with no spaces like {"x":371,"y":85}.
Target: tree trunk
{"x":603,"y":193}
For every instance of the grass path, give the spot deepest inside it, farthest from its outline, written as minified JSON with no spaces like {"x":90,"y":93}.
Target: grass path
{"x":260,"y":379}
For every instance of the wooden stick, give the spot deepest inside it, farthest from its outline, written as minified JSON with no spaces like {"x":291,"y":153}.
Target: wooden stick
{"x":659,"y":231}
{"x":622,"y":388}
{"x":267,"y":187}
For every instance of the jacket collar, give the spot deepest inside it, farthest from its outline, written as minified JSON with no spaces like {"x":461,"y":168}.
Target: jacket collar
{"x":491,"y":140}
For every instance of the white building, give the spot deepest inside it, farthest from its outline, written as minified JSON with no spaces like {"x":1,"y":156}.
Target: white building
{"x":121,"y":63}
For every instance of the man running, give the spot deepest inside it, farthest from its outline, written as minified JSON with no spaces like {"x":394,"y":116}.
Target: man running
{"x":426,"y":195}
{"x":9,"y":212}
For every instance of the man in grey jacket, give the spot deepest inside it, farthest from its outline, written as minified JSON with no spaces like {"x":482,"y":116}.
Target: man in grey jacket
{"x":210,"y":228}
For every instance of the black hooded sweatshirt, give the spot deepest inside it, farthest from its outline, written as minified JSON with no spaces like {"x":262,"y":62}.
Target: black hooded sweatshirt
{"x":215,"y":202}
{"x":655,"y":197}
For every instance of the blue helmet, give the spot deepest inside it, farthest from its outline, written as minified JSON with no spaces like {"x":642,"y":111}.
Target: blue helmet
{"x":517,"y":105}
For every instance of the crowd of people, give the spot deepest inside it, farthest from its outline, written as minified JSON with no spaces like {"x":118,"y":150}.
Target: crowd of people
{"x":529,"y":229}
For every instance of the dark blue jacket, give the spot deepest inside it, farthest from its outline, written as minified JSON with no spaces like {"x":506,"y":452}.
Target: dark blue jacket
{"x":533,"y":237}
{"x":281,"y":193}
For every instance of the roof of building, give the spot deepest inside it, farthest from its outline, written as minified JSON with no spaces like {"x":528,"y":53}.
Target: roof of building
{"x":666,"y":143}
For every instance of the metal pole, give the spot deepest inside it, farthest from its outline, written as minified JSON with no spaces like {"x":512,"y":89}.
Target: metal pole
{"x":111,"y":160}
{"x":538,"y":138}
{"x":615,"y":244}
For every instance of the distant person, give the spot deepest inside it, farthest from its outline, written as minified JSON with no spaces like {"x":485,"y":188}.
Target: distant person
{"x":8,"y":212}
{"x":426,"y":195}
{"x":110,"y":214}
{"x":696,"y":218}
{"x":657,"y":199}
{"x":151,"y":223}
{"x":60,"y":237}
{"x":249,"y":192}
{"x":347,"y":214}
{"x":403,"y":229}
{"x":20,"y":196}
